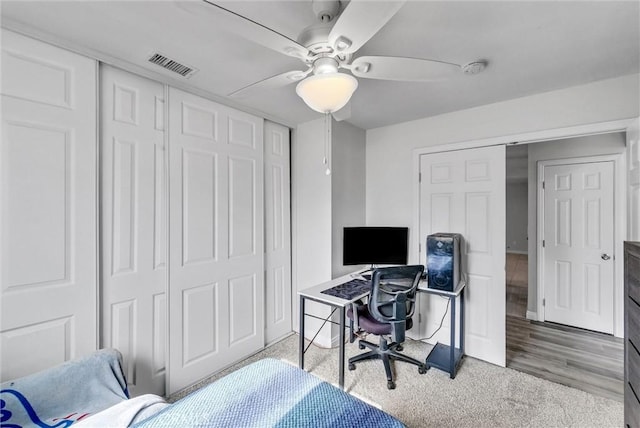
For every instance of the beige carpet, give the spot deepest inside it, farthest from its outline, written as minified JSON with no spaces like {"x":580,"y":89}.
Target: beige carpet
{"x":481,"y":395}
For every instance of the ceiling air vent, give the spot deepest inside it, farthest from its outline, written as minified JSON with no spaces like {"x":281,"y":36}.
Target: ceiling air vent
{"x":172,"y":65}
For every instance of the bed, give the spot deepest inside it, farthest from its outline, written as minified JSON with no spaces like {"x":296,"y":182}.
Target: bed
{"x":271,"y":393}
{"x":267,"y":393}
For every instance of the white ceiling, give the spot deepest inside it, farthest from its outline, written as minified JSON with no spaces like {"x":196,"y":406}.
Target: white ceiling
{"x":530,"y":47}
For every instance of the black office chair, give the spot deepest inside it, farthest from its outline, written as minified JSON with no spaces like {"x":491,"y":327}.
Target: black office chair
{"x":388,"y":315}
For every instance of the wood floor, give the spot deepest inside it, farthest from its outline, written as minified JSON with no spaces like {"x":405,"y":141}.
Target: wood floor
{"x":586,"y":360}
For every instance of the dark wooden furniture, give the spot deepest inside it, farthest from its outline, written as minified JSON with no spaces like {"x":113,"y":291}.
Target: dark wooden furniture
{"x":632,"y":334}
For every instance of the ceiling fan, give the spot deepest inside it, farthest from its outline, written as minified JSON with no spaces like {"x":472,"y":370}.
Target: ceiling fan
{"x":329,"y":45}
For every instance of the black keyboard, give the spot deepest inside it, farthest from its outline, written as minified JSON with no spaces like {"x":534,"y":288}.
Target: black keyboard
{"x":350,"y":289}
{"x":357,"y":282}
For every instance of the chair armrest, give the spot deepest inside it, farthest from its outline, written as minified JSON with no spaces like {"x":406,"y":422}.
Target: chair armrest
{"x":354,"y":324}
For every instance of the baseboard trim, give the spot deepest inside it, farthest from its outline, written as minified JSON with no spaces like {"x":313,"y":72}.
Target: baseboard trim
{"x":533,"y":316}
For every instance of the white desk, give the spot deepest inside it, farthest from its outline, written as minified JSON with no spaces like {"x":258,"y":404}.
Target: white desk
{"x":315,"y":294}
{"x":443,"y":357}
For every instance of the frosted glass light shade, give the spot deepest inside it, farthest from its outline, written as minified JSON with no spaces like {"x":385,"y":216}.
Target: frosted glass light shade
{"x":327,"y":92}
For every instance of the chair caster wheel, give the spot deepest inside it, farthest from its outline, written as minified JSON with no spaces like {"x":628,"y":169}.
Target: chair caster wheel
{"x":422,"y":370}
{"x":352,"y":366}
{"x":399,"y":348}
{"x":361,"y":346}
{"x":391,"y":384}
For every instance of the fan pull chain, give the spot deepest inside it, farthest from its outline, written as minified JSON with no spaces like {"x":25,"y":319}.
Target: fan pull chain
{"x":327,"y":143}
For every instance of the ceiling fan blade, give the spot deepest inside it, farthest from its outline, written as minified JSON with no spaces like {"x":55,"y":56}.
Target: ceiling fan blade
{"x":403,"y":69}
{"x":359,"y":21}
{"x":273,"y":82}
{"x":247,"y":28}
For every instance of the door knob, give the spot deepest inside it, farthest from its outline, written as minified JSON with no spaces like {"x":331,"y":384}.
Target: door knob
{"x":605,"y":256}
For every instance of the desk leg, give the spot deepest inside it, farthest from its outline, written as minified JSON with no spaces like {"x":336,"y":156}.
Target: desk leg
{"x":301,"y":328}
{"x":341,"y":360}
{"x":452,"y":340}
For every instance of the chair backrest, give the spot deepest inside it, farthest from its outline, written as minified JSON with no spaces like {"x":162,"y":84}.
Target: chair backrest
{"x":393,"y":296}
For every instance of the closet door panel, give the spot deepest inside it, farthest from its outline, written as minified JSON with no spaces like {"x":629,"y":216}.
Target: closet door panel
{"x":48,"y":150}
{"x":199,"y":207}
{"x":243,"y":310}
{"x":48,"y":219}
{"x":277,"y":232}
{"x":216,"y":234}
{"x":199,"y":306}
{"x":243,"y":198}
{"x":242,"y":130}
{"x":124,"y":222}
{"x":134,"y":226}
{"x":160,"y":204}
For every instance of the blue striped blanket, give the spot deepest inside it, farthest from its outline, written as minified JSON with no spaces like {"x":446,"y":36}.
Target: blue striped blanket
{"x":270,"y":393}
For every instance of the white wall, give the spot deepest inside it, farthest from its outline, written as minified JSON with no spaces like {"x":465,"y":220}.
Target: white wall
{"x":348,"y":187}
{"x":322,"y":205}
{"x":562,"y":149}
{"x":390,"y":149}
{"x":311,"y":215}
{"x":311,"y":200}
{"x":389,"y":159}
{"x":517,"y":217}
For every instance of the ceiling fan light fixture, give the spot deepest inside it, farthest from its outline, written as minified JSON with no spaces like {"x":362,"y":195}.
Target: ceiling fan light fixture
{"x":325,"y":65}
{"x":328,"y":92}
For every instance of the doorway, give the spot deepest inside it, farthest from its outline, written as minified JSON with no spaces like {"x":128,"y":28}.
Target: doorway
{"x":517,"y":260}
{"x":567,"y":142}
{"x":583,"y":359}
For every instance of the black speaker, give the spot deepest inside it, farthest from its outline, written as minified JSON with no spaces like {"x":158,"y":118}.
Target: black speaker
{"x":443,"y":261}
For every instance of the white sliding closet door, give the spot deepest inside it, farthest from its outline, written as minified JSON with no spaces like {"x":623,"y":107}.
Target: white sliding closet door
{"x":48,"y":260}
{"x":216,"y":309}
{"x":278,"y":231}
{"x":134,"y":226}
{"x":464,"y":192}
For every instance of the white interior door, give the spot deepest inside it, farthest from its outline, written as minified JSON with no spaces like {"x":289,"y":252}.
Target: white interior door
{"x":134,"y":226}
{"x":578,"y":245}
{"x":48,"y":216}
{"x":277,"y":232}
{"x":464,"y":192}
{"x":216,"y":185}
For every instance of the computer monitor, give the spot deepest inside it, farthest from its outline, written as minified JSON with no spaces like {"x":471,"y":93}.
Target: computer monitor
{"x":375,"y":246}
